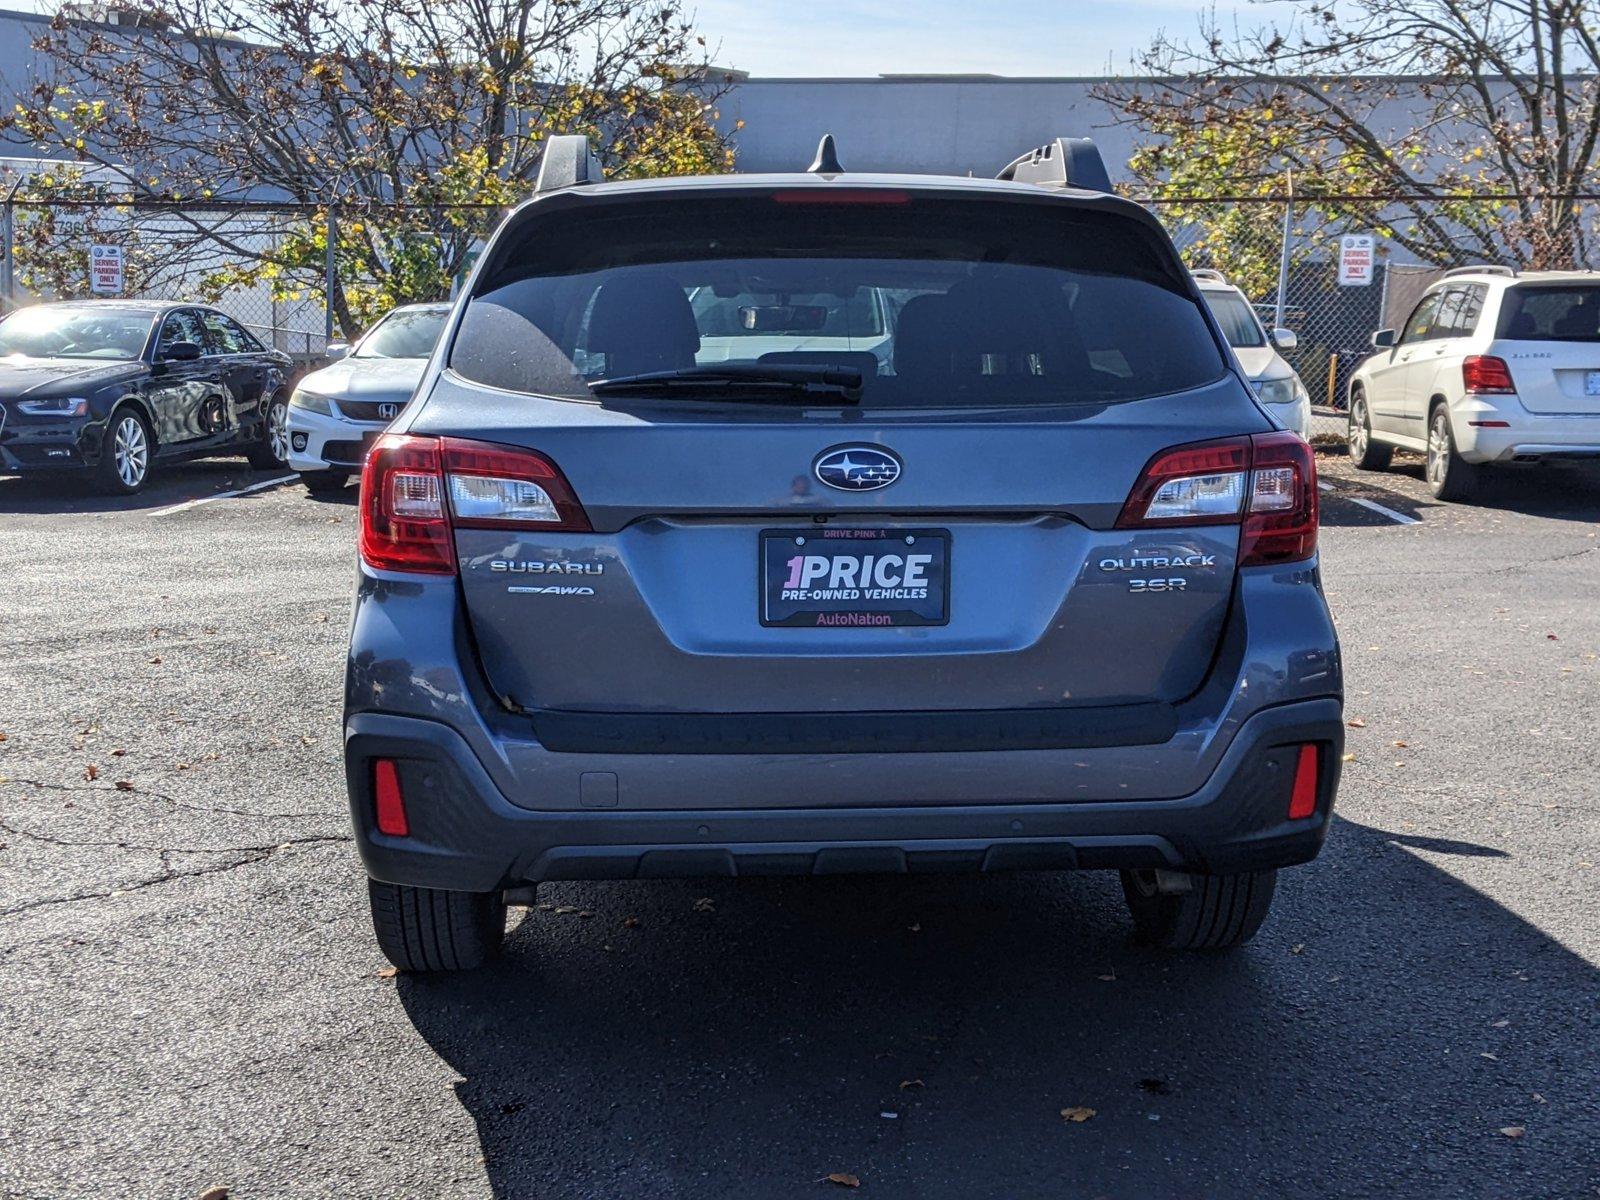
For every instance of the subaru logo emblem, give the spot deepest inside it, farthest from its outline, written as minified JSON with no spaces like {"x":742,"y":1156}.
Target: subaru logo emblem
{"x":388,"y":411}
{"x":856,"y":468}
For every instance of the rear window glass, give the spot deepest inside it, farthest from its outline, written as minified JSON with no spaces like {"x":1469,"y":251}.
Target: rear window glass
{"x":1238,"y":320}
{"x":937,"y":303}
{"x":1550,"y":314}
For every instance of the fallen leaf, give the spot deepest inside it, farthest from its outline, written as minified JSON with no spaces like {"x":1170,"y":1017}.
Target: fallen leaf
{"x":630,"y":922}
{"x":307,"y":739}
{"x":215,"y":1193}
{"x":154,"y":660}
{"x":91,"y":772}
{"x":1348,"y":758}
{"x":1111,"y":978}
{"x":706,"y":905}
{"x":1550,"y":637}
{"x":1077,"y":1115}
{"x":118,"y":753}
{"x":1513,"y":1131}
{"x":1537,"y":1098}
{"x":844,"y":1179}
{"x":124,"y":785}
{"x":917,"y":928}
{"x":1297,"y":948}
{"x":562,"y":910}
{"x":2,"y":735}
{"x":388,"y":972}
{"x":1356,"y":723}
{"x":183,"y":766}
{"x":1501,"y":1023}
{"x":584,"y":914}
{"x":1486,"y":1054}
{"x":1400,"y":745}
{"x":907,"y":1084}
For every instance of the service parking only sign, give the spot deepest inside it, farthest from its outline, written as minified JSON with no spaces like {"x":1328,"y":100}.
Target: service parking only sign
{"x":105,"y":270}
{"x":1355,"y":260}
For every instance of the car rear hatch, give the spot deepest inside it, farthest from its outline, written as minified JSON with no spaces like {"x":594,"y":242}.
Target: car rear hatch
{"x":979,"y":526}
{"x":1549,"y":336}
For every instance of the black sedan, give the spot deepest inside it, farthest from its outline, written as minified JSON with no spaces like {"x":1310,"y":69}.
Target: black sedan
{"x":111,"y":387}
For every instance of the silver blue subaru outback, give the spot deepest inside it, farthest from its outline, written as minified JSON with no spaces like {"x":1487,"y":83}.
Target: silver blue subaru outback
{"x":833,"y":522}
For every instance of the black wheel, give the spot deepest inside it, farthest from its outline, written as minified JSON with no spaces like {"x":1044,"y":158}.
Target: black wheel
{"x":324,"y":483}
{"x":1368,"y":455}
{"x":125,"y":452}
{"x":1450,"y":477}
{"x":1218,"y":911}
{"x":272,"y":451}
{"x":424,"y":929}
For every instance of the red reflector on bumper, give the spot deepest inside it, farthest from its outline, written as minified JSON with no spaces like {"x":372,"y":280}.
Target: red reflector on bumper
{"x":1303,"y":800}
{"x":390,"y":804}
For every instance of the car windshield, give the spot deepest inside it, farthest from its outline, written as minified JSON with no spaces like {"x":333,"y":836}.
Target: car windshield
{"x":403,"y":334}
{"x":75,"y":331}
{"x":1237,"y":318}
{"x":1550,"y":314}
{"x":934,"y":302}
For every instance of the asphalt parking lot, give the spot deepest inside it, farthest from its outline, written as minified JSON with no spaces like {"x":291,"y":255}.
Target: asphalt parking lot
{"x":190,"y":995}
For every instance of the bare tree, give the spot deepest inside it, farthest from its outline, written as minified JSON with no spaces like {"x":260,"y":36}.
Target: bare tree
{"x":1432,"y":99}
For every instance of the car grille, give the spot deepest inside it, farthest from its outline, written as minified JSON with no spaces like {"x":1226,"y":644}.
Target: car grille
{"x":366,"y":410}
{"x":348,"y":453}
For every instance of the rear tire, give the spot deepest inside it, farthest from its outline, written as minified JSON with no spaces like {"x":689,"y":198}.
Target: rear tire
{"x":1368,"y":455}
{"x":426,"y":929}
{"x":271,"y":453}
{"x":1217,"y":912}
{"x":324,"y":483}
{"x":126,"y":451}
{"x":1450,"y":477}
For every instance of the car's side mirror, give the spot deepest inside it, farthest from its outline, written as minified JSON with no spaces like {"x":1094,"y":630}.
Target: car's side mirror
{"x":182,"y":352}
{"x":336,"y":351}
{"x":1383,"y":339}
{"x":1285,"y":339}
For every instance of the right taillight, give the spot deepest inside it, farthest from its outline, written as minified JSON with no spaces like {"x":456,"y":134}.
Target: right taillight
{"x":1484,"y":373}
{"x":415,"y":490}
{"x":1266,"y":484}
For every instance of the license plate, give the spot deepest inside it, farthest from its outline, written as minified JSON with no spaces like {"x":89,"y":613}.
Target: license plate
{"x":855,"y":578}
{"x":1591,"y":383}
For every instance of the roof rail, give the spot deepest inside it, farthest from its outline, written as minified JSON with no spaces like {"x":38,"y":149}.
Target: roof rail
{"x":568,"y":161}
{"x":1482,"y":269}
{"x":1065,"y":162}
{"x":1210,"y":273}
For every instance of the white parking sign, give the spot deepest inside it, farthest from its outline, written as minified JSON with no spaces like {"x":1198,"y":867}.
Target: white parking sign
{"x":1355,"y":260}
{"x":105,"y":270}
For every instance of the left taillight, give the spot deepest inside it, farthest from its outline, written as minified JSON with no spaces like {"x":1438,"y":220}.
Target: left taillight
{"x":1266,"y":484}
{"x":415,"y":490}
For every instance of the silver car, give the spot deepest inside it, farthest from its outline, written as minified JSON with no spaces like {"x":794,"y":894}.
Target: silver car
{"x":1275,"y":381}
{"x":336,"y":414}
{"x":1038,"y":588}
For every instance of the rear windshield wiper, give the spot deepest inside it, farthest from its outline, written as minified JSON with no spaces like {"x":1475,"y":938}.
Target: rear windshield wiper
{"x":787,"y":384}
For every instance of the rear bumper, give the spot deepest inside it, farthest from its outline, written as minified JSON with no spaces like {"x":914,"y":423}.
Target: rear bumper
{"x":465,"y":834}
{"x":1527,"y":435}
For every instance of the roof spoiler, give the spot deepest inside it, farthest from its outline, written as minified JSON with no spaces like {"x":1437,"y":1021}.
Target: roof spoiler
{"x":568,"y":161}
{"x":1063,"y":163}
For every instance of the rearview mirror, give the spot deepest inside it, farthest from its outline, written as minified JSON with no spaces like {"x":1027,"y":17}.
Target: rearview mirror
{"x":1383,"y":339}
{"x":182,"y":352}
{"x":336,"y":351}
{"x":783,"y":318}
{"x":1285,"y":339}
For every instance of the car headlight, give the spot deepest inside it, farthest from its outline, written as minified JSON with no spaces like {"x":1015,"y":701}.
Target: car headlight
{"x":58,"y":406}
{"x":310,"y":401}
{"x":1287,"y":390}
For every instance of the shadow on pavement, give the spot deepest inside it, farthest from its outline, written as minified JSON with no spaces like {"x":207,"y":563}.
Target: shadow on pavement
{"x":1563,"y":492}
{"x":1387,"y":1023}
{"x":73,"y":492}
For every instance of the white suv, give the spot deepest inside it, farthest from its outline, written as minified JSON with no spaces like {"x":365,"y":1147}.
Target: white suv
{"x":1274,"y":380}
{"x":1491,"y":367}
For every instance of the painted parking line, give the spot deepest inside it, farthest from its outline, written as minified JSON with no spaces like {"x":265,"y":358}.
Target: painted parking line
{"x":244,"y":491}
{"x":1399,"y":518}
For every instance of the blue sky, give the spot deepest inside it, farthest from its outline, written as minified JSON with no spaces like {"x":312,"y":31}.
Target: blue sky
{"x":1001,"y":37}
